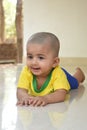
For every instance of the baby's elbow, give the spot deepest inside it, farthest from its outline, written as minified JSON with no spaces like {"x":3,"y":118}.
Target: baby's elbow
{"x":62,"y":95}
{"x":62,"y":99}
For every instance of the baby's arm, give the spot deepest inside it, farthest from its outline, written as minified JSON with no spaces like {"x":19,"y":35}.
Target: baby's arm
{"x":55,"y":97}
{"x":22,"y":97}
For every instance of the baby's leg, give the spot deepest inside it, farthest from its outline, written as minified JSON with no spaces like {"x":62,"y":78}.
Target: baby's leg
{"x":71,"y":79}
{"x":76,"y":79}
{"x":79,"y":75}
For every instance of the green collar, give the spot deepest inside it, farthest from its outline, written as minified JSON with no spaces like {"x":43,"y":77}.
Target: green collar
{"x":43,"y":86}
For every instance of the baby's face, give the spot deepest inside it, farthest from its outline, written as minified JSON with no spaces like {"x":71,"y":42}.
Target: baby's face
{"x":40,"y":58}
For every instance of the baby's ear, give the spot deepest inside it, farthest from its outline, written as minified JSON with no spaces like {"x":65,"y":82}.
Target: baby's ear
{"x":56,"y":62}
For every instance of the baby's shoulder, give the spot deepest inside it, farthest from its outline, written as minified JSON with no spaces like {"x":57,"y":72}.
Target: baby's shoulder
{"x":58,"y":71}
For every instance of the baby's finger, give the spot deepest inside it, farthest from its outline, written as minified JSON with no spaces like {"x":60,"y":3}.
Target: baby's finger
{"x":38,"y":103}
{"x":26,"y":103}
{"x":43,"y":104}
{"x":34,"y":102}
{"x":19,"y":103}
{"x":30,"y":101}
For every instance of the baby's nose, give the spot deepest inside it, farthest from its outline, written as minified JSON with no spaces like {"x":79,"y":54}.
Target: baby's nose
{"x":34,"y":61}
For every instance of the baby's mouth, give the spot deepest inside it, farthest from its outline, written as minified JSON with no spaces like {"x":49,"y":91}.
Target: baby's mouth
{"x":35,"y":68}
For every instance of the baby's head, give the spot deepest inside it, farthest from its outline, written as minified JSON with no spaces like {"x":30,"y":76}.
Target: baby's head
{"x":46,"y":38}
{"x":42,"y":53}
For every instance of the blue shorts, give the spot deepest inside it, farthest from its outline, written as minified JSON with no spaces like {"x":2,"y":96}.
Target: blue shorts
{"x":72,"y":81}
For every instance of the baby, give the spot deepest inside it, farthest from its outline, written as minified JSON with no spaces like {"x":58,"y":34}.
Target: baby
{"x":42,"y":81}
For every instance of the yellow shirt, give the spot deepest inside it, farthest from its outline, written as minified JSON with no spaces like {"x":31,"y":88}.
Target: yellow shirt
{"x":58,"y":80}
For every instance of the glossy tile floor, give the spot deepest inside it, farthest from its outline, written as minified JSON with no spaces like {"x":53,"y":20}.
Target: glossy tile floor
{"x":68,"y":115}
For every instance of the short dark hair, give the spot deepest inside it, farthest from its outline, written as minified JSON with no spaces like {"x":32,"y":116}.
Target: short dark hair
{"x":43,"y":37}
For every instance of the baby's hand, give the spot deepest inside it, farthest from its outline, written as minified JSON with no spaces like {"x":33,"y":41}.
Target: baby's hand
{"x":38,"y":101}
{"x":25,"y":101}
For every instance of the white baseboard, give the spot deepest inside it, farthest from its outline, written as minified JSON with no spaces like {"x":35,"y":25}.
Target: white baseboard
{"x":73,"y":61}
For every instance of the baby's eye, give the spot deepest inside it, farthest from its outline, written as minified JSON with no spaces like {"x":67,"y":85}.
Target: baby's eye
{"x":30,"y":57}
{"x":41,"y":57}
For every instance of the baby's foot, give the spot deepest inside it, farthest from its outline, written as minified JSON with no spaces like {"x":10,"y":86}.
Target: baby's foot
{"x":81,"y":73}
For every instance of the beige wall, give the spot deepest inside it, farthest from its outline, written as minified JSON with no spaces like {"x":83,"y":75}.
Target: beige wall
{"x":65,"y":18}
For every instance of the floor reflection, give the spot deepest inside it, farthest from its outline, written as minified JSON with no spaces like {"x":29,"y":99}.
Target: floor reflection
{"x":59,"y":116}
{"x":9,"y":117}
